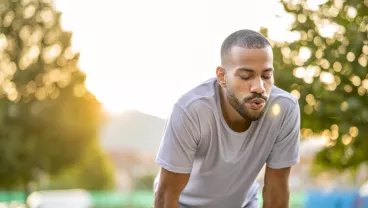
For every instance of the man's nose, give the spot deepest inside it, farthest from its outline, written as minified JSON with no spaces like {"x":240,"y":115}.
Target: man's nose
{"x":258,"y":86}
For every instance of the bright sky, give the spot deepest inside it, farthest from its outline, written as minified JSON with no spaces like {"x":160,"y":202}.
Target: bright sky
{"x":145,"y":54}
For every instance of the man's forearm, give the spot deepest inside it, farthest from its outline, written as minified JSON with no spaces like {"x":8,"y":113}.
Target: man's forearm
{"x":166,"y":201}
{"x":275,"y":198}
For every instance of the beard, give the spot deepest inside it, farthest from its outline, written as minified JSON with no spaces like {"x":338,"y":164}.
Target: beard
{"x":241,"y":108}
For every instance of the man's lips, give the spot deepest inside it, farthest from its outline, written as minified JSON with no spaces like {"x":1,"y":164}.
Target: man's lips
{"x":257,"y":103}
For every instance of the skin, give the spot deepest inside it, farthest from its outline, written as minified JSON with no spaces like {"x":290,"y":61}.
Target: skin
{"x":245,"y":78}
{"x":246,"y":74}
{"x":169,"y":189}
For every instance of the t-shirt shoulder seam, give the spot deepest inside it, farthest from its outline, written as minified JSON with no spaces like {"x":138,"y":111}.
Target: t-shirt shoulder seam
{"x":186,"y":105}
{"x":285,"y":94}
{"x":197,"y":94}
{"x":288,"y":97}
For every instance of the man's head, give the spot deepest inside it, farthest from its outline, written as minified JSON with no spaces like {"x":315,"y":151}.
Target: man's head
{"x":246,"y":72}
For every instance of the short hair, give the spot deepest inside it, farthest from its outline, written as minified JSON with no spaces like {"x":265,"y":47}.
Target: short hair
{"x":243,"y":38}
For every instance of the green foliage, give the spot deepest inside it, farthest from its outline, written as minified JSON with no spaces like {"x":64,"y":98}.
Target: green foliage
{"x":47,"y":117}
{"x":332,"y":80}
{"x":93,"y":172}
{"x":145,"y":181}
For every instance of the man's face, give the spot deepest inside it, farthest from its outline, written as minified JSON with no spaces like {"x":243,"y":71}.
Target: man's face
{"x":248,"y":74}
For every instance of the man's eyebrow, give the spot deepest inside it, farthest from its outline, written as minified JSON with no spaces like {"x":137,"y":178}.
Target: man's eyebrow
{"x":251,"y":70}
{"x":268,"y":69}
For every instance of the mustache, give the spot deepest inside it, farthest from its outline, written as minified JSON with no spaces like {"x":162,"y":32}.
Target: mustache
{"x":255,"y":95}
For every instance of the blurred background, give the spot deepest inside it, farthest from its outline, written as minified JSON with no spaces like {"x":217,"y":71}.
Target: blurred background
{"x":86,"y":87}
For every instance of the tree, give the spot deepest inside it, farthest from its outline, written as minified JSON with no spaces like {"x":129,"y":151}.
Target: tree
{"x":144,"y":181}
{"x":47,"y":117}
{"x":94,"y":171}
{"x":327,"y":70}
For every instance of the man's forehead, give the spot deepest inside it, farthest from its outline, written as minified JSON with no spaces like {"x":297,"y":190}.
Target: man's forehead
{"x":260,"y":54}
{"x":247,"y":57}
{"x":251,"y":70}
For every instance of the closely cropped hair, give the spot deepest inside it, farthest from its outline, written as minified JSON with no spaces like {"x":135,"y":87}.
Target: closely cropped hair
{"x":243,"y":38}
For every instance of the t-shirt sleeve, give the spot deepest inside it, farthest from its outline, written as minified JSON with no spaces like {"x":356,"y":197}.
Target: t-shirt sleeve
{"x":179,"y":143}
{"x":285,"y":152}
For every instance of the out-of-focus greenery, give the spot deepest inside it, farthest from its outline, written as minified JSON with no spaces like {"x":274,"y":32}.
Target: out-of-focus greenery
{"x":48,"y":120}
{"x":327,"y":70}
{"x":94,"y":172}
{"x":145,"y":181}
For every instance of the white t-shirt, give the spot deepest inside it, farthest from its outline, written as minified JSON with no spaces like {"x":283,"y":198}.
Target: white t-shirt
{"x":223,"y":164}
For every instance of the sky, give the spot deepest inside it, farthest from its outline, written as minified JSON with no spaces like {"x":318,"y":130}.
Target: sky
{"x":143,"y":54}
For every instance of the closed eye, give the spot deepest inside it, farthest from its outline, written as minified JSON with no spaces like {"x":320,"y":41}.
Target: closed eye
{"x":266,"y":77}
{"x":244,"y":78}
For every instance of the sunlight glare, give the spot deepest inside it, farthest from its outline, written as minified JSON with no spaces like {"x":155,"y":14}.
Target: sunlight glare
{"x":276,"y":109}
{"x":328,"y":30}
{"x":126,"y":69}
{"x":314,"y":4}
{"x":304,"y":53}
{"x":299,"y":72}
{"x":327,"y":77}
{"x":296,"y":94}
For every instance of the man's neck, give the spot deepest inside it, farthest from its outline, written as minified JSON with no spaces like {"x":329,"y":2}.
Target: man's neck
{"x":233,"y":119}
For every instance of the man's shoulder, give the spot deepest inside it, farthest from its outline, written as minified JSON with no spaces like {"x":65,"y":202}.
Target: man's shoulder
{"x":283,"y":97}
{"x":196,"y":97}
{"x":281,"y":104}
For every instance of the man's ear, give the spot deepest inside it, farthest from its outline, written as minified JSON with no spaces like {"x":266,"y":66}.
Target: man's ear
{"x":220,"y":74}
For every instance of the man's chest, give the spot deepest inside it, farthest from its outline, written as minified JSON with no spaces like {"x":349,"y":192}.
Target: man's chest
{"x":234,"y":154}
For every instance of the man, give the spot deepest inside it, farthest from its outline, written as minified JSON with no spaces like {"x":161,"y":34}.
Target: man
{"x":221,"y":133}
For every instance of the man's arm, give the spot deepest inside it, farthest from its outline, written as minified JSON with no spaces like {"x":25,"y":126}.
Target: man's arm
{"x":169,"y":188}
{"x":284,"y":154}
{"x":276,"y":188}
{"x":175,"y":156}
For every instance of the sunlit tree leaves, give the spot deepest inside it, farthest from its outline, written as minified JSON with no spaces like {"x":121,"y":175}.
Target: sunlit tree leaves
{"x":47,"y":117}
{"x":326,"y":69}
